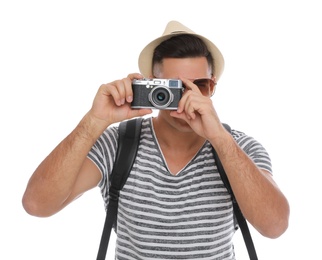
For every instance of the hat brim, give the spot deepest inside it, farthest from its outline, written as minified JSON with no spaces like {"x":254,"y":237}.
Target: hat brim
{"x":145,"y":57}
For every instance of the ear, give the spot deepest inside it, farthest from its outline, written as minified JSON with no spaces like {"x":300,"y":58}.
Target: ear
{"x":213,"y":87}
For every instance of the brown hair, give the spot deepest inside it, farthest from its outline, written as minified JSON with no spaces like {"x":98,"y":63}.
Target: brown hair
{"x":181,"y":46}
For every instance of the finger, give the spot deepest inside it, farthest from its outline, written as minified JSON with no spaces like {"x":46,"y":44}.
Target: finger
{"x":128,"y":89}
{"x":191,"y":105}
{"x":182,"y":101}
{"x":132,"y":76}
{"x":179,"y":115}
{"x":189,"y":85}
{"x":130,"y":113}
{"x":185,"y":104}
{"x":112,"y":89}
{"x":140,"y":112}
{"x":125,"y":90}
{"x":122,"y":89}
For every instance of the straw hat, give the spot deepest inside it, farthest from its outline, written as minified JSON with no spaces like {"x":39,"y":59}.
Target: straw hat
{"x":175,"y":28}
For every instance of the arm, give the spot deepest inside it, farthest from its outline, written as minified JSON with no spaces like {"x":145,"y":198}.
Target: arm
{"x":258,"y":196}
{"x":66,"y":173}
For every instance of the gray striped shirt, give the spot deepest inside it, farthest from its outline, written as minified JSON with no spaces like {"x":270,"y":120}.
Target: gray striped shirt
{"x":165,"y":216}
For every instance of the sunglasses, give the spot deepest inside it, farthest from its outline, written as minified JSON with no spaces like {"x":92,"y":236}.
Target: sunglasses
{"x":204,"y":85}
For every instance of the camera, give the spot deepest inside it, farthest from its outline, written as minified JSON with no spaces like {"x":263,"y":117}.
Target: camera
{"x":156,"y":93}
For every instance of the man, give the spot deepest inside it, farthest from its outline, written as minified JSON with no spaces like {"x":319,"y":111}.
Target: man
{"x":174,"y":204}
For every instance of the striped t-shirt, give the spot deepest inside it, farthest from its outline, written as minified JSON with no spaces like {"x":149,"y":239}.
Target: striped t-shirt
{"x":163,"y":216}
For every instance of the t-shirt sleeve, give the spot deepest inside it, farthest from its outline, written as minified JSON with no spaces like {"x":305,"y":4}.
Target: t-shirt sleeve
{"x":103,"y":155}
{"x":254,"y":150}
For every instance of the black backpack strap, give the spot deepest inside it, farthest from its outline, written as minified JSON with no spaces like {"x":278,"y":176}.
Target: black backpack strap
{"x":128,"y":142}
{"x":239,"y":216}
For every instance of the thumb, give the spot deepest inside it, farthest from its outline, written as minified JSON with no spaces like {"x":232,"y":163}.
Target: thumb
{"x":140,"y":112}
{"x":181,"y":115}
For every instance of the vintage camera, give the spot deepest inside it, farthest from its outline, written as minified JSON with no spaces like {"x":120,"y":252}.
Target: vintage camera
{"x":157,"y":93}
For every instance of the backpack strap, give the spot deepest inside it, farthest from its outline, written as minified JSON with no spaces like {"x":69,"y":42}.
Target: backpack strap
{"x":239,"y":215}
{"x":128,"y":142}
{"x":129,"y":136}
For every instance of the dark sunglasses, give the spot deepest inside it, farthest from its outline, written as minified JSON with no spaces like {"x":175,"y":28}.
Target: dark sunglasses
{"x":204,"y":84}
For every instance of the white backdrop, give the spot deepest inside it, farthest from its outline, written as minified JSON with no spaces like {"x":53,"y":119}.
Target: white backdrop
{"x":55,"y":54}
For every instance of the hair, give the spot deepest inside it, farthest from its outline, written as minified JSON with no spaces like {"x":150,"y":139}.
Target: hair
{"x":181,"y":46}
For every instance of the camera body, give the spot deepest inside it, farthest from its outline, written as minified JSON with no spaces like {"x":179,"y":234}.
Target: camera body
{"x":157,"y":93}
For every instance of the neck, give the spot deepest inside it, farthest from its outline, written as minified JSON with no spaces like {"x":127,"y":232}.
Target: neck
{"x":174,"y":137}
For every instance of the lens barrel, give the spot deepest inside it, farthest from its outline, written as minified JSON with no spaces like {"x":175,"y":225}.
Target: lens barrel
{"x":161,"y":97}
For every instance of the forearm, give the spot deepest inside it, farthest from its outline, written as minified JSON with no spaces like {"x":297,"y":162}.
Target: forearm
{"x":52,"y":182}
{"x":259,"y":198}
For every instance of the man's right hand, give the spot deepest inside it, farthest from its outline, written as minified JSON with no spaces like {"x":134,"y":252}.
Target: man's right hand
{"x":112,"y":102}
{"x":66,"y":173}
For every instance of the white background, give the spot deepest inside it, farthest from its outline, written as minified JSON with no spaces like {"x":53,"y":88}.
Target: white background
{"x":55,"y":54}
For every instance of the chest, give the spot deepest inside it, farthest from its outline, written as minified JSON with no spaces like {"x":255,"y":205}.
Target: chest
{"x":197,"y":180}
{"x":163,"y":209}
{"x":155,"y":199}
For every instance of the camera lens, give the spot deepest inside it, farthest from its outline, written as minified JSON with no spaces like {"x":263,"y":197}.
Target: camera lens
{"x":160,"y":97}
